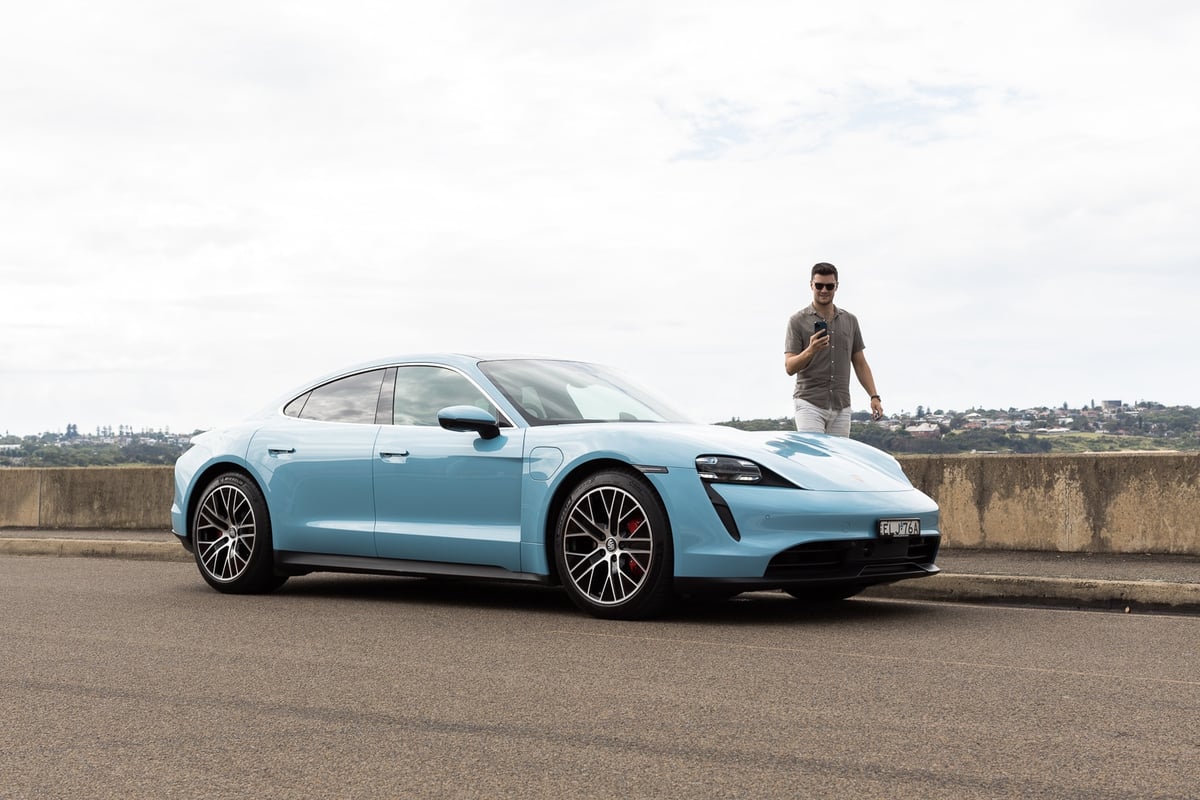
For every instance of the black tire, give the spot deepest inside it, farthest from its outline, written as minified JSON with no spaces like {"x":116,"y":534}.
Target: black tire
{"x":612,"y":547}
{"x":825,"y":594}
{"x":231,"y":537}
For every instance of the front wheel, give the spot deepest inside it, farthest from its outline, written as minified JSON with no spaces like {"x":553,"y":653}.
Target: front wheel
{"x":612,"y":547}
{"x":231,"y":536}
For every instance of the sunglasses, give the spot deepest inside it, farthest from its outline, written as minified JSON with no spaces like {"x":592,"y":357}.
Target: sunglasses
{"x":824,"y":287}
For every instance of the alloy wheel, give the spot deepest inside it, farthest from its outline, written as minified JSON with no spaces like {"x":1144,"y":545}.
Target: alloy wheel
{"x":607,"y":546}
{"x":225,"y":533}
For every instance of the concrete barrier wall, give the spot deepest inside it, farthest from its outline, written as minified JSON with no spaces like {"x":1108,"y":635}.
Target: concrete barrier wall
{"x":1104,"y":503}
{"x":124,"y":498}
{"x":1096,"y":503}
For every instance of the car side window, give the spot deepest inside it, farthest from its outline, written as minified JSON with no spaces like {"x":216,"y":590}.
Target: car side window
{"x":350,"y":399}
{"x":423,"y":391}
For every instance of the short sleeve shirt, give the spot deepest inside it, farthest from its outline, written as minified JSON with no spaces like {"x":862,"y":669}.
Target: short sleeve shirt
{"x":825,"y":382}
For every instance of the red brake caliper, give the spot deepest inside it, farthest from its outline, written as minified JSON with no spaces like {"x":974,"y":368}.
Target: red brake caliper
{"x":635,"y":569}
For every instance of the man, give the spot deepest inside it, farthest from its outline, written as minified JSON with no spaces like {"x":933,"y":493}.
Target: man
{"x":823,"y":342}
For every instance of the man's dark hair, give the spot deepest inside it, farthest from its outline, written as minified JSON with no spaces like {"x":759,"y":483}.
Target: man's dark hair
{"x":824,"y":268}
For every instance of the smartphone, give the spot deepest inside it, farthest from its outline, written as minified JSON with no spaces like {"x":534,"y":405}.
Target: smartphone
{"x":821,"y":325}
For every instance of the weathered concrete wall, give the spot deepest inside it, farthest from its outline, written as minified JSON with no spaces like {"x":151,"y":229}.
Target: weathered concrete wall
{"x":19,"y":493}
{"x":94,"y":497}
{"x":1107,"y":503}
{"x":1097,"y":503}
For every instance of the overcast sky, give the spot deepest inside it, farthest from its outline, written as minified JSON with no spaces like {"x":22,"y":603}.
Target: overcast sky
{"x":203,"y":204}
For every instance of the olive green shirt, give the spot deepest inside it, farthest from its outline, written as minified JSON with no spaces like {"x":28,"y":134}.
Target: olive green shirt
{"x":825,"y":382}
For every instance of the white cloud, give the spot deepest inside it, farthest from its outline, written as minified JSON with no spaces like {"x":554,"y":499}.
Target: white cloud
{"x":206,"y":203}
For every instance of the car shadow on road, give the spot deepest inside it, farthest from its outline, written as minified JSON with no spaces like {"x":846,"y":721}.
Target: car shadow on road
{"x":436,"y":591}
{"x":745,"y":609}
{"x":767,"y":608}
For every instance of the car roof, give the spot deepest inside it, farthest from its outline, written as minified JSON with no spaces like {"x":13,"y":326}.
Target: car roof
{"x":457,"y":359}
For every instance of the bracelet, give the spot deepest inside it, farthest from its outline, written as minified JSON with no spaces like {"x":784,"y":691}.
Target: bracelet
{"x":874,"y":397}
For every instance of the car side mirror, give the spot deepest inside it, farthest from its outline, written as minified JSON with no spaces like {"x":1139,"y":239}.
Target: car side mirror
{"x":469,"y":418}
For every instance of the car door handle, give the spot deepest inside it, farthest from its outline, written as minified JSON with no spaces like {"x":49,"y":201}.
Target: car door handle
{"x":281,"y":451}
{"x":401,"y":454}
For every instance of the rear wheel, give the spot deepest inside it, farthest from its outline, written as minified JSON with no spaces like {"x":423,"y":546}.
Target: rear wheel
{"x":612,"y":547}
{"x":231,"y":534}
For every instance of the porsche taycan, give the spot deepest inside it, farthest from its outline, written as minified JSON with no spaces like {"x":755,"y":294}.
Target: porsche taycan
{"x":545,"y":471}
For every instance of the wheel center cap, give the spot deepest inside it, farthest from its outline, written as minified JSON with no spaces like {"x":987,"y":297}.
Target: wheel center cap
{"x":610,"y":544}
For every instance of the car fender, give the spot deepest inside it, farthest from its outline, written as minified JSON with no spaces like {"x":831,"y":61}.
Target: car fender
{"x":195,"y":468}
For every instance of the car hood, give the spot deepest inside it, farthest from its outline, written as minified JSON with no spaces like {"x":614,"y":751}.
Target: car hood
{"x":809,"y":460}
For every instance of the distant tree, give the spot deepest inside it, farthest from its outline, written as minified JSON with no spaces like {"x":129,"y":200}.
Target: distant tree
{"x":881,"y":437}
{"x":1031,"y":444}
{"x":150,"y":453}
{"x":780,"y":424}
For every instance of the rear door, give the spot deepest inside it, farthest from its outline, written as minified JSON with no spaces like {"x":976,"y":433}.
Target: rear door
{"x":316,"y":462}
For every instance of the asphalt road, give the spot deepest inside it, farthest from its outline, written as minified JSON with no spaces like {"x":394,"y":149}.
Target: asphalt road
{"x":133,"y":679}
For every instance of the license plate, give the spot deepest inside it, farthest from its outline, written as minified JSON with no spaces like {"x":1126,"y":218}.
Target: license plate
{"x":897,"y":528}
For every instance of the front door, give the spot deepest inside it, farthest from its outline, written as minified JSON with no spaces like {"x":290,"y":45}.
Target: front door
{"x":446,"y":496}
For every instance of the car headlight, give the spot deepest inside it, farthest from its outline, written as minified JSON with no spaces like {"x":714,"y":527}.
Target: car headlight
{"x":727,"y":469}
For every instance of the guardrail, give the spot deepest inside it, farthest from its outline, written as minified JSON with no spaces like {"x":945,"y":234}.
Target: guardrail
{"x":1098,"y":503}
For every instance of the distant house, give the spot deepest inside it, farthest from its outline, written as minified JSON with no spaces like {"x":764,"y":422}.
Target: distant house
{"x":924,"y":430}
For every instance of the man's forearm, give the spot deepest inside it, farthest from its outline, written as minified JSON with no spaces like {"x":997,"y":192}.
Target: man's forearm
{"x":863,"y":371}
{"x":794,"y":362}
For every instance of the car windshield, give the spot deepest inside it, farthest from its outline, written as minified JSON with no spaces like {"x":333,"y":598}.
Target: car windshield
{"x":557,"y":392}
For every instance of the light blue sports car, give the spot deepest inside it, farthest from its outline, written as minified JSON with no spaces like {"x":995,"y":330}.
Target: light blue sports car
{"x":545,"y":471}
